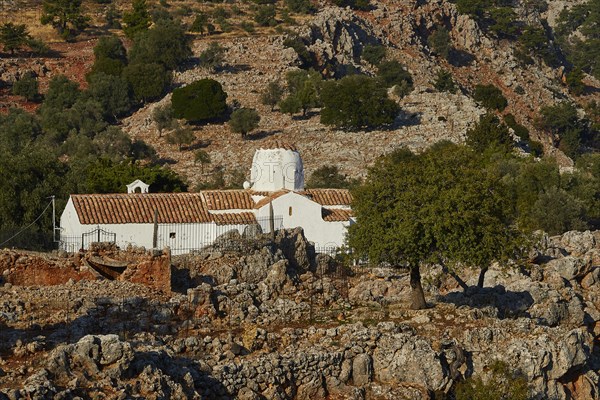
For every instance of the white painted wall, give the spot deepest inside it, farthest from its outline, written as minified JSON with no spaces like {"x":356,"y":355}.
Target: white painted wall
{"x":307,"y":214}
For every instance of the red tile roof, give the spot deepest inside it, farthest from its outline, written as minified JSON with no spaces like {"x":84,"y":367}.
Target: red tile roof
{"x":336,"y":214}
{"x":242,"y":218}
{"x":269,"y":197}
{"x":276,"y":144}
{"x":138,"y":208}
{"x":184,"y":208}
{"x":329,"y":197}
{"x":228,"y":199}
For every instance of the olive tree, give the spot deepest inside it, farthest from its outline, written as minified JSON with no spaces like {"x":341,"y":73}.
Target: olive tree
{"x":442,"y":206}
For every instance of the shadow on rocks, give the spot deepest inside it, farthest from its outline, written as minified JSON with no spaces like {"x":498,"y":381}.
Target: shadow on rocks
{"x":497,"y":301}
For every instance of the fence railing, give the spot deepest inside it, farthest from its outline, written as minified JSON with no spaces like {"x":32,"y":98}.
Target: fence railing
{"x":182,"y":238}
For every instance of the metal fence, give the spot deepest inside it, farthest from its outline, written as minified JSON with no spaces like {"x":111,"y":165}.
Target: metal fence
{"x":183,"y":238}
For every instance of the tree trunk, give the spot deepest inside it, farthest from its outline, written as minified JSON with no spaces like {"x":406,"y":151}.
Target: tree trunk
{"x":481,"y":276}
{"x":417,"y":295}
{"x":453,"y":274}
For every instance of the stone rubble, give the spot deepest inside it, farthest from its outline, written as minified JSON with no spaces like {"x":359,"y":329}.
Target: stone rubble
{"x":277,"y":324}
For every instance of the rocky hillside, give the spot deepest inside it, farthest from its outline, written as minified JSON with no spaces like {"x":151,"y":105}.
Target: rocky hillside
{"x":336,"y":37}
{"x":274,"y":322}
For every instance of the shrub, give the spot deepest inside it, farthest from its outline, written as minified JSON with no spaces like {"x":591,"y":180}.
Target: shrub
{"x":504,"y":384}
{"x":363,"y":5}
{"x":444,"y":82}
{"x":392,"y":73}
{"x":489,"y":132}
{"x":329,"y":176}
{"x":439,"y":42}
{"x":265,"y":15}
{"x":490,"y":97}
{"x":272,"y":94}
{"x":148,"y":81}
{"x":374,"y":54}
{"x":27,"y":87}
{"x":213,"y":56}
{"x":182,"y":135}
{"x":200,"y":101}
{"x":356,"y":101}
{"x":244,"y":120}
{"x":300,"y":6}
{"x":298,"y":45}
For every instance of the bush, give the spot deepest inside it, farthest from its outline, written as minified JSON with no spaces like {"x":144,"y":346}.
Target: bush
{"x":166,"y":44}
{"x":244,"y":120}
{"x":272,"y":94}
{"x":148,"y":81}
{"x":489,"y":132}
{"x":212,"y":58}
{"x":27,"y":87}
{"x":504,"y":384}
{"x":200,"y":101}
{"x":265,"y":15}
{"x":374,"y":54}
{"x":563,"y":122}
{"x":490,"y":97}
{"x":444,"y":82}
{"x":300,"y":6}
{"x":329,"y":176}
{"x":356,"y":101}
{"x":182,"y":135}
{"x":298,"y":45}
{"x":521,"y":131}
{"x":199,"y":23}
{"x":392,"y":73}
{"x":439,"y":42}
{"x":363,"y":5}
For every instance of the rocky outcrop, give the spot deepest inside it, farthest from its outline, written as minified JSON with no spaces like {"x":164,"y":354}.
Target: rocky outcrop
{"x":337,"y":37}
{"x":286,"y":328}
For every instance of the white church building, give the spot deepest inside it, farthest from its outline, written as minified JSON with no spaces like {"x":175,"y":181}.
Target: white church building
{"x":184,"y":222}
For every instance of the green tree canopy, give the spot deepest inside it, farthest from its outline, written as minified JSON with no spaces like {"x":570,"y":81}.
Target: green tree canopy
{"x":65,"y":16}
{"x":137,"y":20}
{"x":357,"y":101}
{"x":304,"y":89}
{"x":112,"y":92}
{"x":106,"y":176}
{"x":563,"y":122}
{"x":329,"y":176}
{"x":27,"y":86}
{"x":13,"y":37}
{"x":166,"y":43}
{"x":148,"y":81}
{"x":441,"y":206}
{"x":244,"y":120}
{"x":110,"y":56}
{"x":272,"y":94}
{"x":490,"y":97}
{"x":488,"y":133}
{"x":200,"y":101}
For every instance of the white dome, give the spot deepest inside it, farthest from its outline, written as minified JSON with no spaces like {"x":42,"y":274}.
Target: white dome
{"x":277,"y":168}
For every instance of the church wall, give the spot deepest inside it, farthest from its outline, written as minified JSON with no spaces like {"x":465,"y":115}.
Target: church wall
{"x":306,"y":213}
